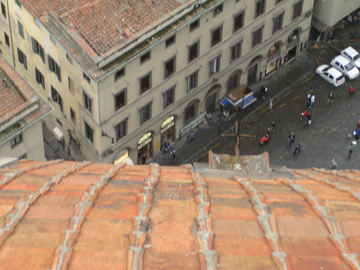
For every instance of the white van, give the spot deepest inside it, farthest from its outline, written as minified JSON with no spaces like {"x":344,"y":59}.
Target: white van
{"x":352,"y":55}
{"x":345,"y":67}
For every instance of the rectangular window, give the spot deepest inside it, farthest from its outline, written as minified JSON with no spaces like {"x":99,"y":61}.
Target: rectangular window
{"x":170,"y":41}
{"x":3,"y":10}
{"x":7,"y":40}
{"x":145,"y":113}
{"x":260,"y":8}
{"x":145,"y":83}
{"x":87,"y":102}
{"x":218,"y":10}
{"x":38,"y":49}
{"x":192,"y":81}
{"x":194,"y":25}
{"x":238,"y":21}
{"x":71,"y":85}
{"x":233,"y":81}
{"x":278,"y":23}
{"x":56,"y":97}
{"x":257,"y":37}
{"x":170,"y":67}
{"x":86,"y":77}
{"x":120,"y":130}
{"x":194,"y":51}
{"x":68,"y":57}
{"x":39,"y":78}
{"x":297,"y":9}
{"x":18,"y":3}
{"x":89,"y":132}
{"x":216,"y":36}
{"x":54,"y":67}
{"x":119,"y":74}
{"x":22,"y":58}
{"x":21,"y":29}
{"x":145,"y":57}
{"x":120,"y":100}
{"x":214,"y":65}
{"x":169,"y":97}
{"x":235,"y":51}
{"x":16,"y":140}
{"x":73,"y":116}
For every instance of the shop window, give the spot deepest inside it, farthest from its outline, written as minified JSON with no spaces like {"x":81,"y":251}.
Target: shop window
{"x":257,"y":37}
{"x":120,"y":130}
{"x":278,"y":23}
{"x":145,"y":113}
{"x":22,"y":58}
{"x":194,"y":51}
{"x":38,"y":49}
{"x":194,"y":25}
{"x":56,"y":97}
{"x":216,"y":36}
{"x":297,"y":9}
{"x":16,"y":140}
{"x":120,"y":100}
{"x":170,"y":67}
{"x":235,"y":51}
{"x":192,"y":81}
{"x":239,"y":21}
{"x":39,"y":78}
{"x":54,"y":67}
{"x":259,"y":8}
{"x":119,"y":74}
{"x":145,"y":83}
{"x":170,"y":41}
{"x":89,"y":132}
{"x":169,"y":97}
{"x":87,"y":102}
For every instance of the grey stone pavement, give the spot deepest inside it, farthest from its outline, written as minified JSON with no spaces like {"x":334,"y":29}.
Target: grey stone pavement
{"x":324,"y":140}
{"x":53,"y":149}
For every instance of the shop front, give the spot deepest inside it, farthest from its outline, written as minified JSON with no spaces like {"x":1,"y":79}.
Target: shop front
{"x":293,"y":42}
{"x":273,"y":59}
{"x":144,"y":146}
{"x":167,"y":130}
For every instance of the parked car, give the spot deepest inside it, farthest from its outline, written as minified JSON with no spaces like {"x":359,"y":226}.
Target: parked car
{"x":352,"y":55}
{"x":331,"y":75}
{"x":345,"y":67}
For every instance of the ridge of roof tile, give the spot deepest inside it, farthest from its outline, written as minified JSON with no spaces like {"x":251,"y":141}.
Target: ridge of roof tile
{"x":88,"y":215}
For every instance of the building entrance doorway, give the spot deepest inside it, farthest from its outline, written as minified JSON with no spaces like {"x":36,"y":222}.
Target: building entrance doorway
{"x":252,"y":75}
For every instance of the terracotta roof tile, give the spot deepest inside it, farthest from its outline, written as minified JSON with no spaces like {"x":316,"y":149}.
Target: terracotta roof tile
{"x":98,"y":216}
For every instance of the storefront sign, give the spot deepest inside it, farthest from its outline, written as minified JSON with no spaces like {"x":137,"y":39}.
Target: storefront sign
{"x":122,"y":158}
{"x":144,"y":140}
{"x":168,"y":123}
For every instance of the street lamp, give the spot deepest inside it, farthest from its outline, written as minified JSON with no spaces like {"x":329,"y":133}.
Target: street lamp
{"x":107,"y":136}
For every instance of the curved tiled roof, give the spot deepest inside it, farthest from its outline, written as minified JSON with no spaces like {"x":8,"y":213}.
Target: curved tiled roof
{"x":73,"y":215}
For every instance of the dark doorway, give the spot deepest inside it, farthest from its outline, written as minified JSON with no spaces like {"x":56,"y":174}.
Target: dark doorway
{"x":291,"y":54}
{"x":252,"y":75}
{"x":210,"y":103}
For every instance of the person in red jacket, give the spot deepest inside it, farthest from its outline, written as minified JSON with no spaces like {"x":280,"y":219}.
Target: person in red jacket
{"x":351,"y":90}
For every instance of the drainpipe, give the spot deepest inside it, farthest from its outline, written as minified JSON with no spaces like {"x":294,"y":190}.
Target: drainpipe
{"x":11,"y":36}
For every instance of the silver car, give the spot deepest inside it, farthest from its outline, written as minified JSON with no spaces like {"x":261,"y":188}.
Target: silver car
{"x":345,"y":67}
{"x":331,"y":75}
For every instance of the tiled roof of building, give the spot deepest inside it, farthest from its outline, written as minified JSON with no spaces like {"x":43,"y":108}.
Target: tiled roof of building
{"x":72,"y":215}
{"x":101,"y":27}
{"x":16,"y":97}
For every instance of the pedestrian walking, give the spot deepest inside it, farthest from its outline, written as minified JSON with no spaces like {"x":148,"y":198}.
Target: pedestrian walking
{"x":268,"y":130}
{"x":334,"y":164}
{"x":331,"y":98}
{"x":351,"y":90}
{"x":174,"y":156}
{"x":291,"y":138}
{"x":308,"y":117}
{"x":297,"y":149}
{"x":272,"y":127}
{"x":312,"y":101}
{"x":303,"y":115}
{"x":270,"y":104}
{"x":309,"y":102}
{"x":357,"y":134}
{"x":351,"y":147}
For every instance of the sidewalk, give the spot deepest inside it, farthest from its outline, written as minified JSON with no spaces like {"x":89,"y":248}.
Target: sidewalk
{"x":284,"y":79}
{"x":342,"y":37}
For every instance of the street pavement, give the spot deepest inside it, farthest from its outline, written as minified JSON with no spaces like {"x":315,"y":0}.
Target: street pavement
{"x":324,"y":140}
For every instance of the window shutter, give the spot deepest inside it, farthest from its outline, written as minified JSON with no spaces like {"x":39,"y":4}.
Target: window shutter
{"x":60,"y":102}
{"x":33,"y":44}
{"x":42,"y":53}
{"x":37,"y":75}
{"x":19,"y":54}
{"x":58,"y":73}
{"x":43,"y":81}
{"x":50,"y":62}
{"x":25,"y":61}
